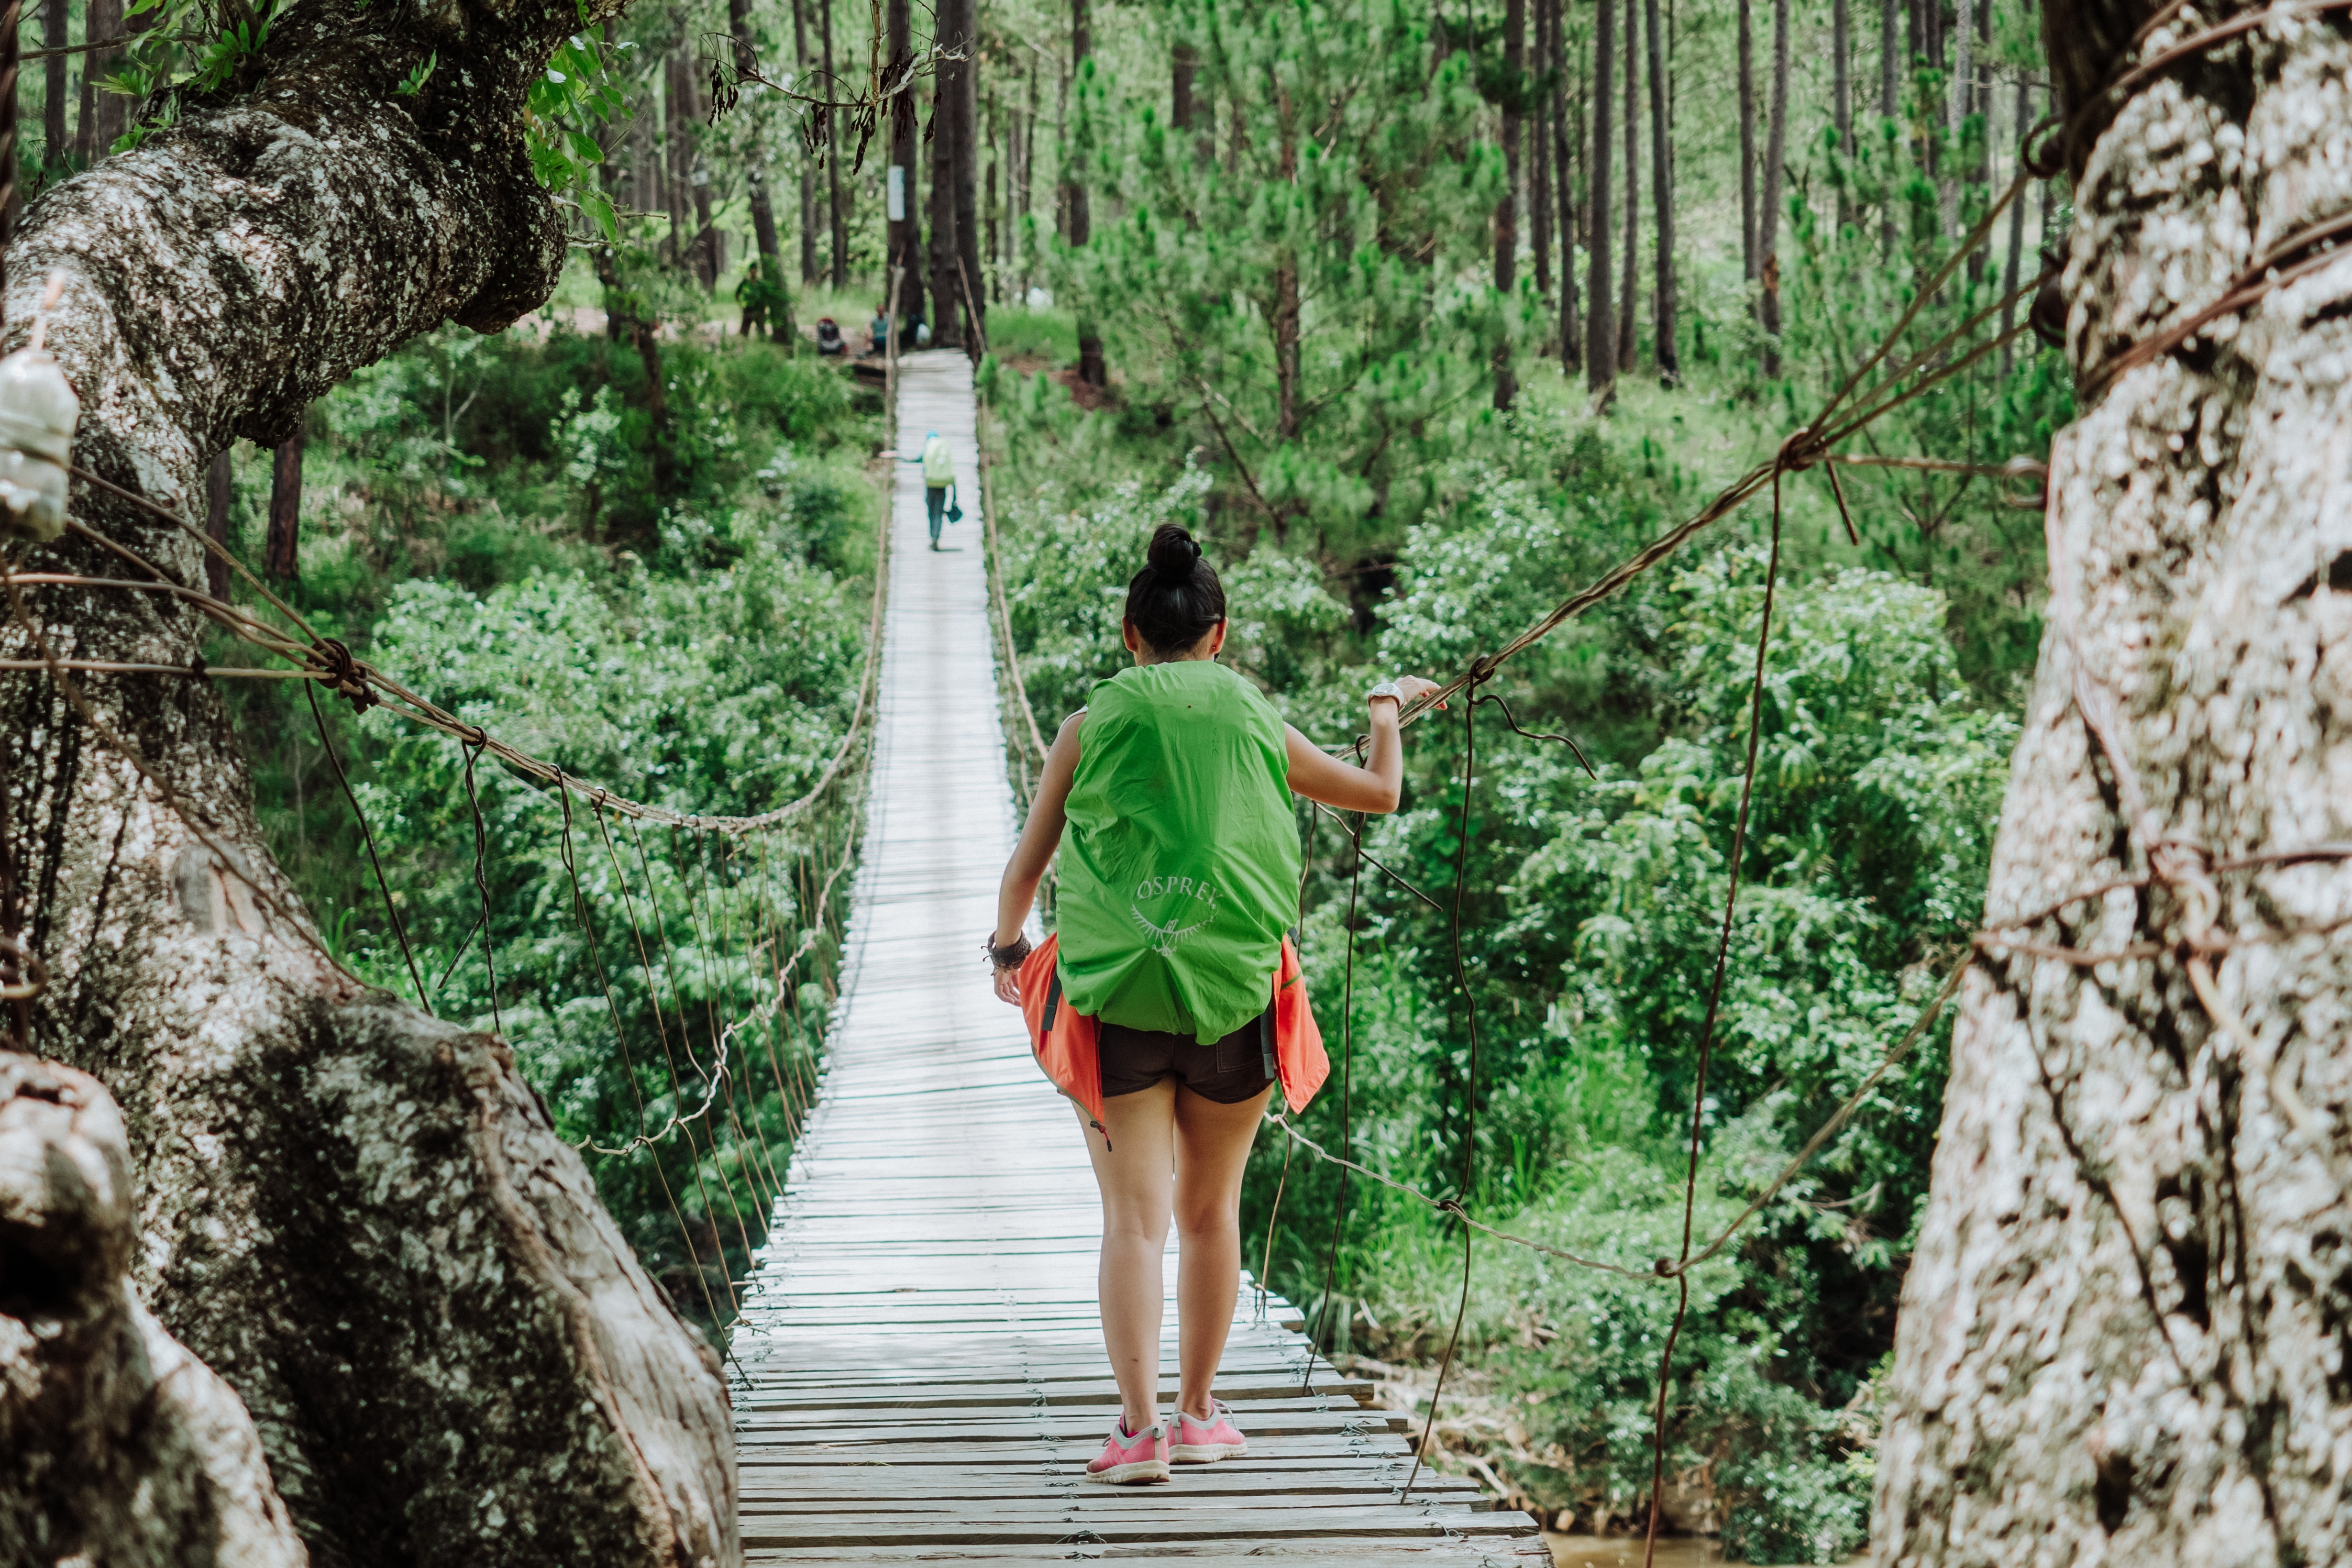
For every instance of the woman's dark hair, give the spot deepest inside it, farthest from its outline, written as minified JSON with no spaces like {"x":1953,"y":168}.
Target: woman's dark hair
{"x":1176,"y":599}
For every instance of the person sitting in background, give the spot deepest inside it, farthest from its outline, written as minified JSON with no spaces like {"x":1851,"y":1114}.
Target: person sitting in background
{"x":877,"y":333}
{"x":829,"y":340}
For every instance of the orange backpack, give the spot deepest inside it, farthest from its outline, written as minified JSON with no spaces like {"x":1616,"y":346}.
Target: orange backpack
{"x":1069,"y":1048}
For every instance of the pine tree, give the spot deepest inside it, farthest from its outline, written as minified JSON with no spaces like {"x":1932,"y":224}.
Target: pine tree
{"x":1292,"y":303}
{"x":1601,"y":326}
{"x":1662,"y":185}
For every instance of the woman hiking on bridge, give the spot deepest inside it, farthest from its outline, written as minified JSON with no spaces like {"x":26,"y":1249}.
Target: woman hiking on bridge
{"x":1170,"y":1003}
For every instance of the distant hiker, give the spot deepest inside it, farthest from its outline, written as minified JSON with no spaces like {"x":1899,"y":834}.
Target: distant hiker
{"x":877,"y":333}
{"x":752,"y":295}
{"x":938,"y":480}
{"x":765,"y":303}
{"x":1170,"y":1002}
{"x":829,"y":340}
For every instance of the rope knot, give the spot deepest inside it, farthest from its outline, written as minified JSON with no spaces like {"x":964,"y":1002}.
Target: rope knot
{"x":2021,"y":467}
{"x":1802,"y":450}
{"x":1665,"y":1268}
{"x":335,"y":659}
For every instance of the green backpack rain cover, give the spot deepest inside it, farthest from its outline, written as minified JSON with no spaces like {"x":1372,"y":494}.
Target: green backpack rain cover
{"x":1179,"y":860}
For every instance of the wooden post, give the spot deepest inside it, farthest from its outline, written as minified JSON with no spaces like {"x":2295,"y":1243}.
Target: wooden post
{"x":277,"y":555}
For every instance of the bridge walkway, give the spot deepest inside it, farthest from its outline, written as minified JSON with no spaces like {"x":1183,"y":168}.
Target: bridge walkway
{"x":925,"y":1374}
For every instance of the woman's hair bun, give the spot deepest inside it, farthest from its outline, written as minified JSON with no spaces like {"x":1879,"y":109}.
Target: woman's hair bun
{"x":1176,"y":599}
{"x":1174,"y":552}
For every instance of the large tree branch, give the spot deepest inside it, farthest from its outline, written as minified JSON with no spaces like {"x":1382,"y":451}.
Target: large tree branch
{"x":359,"y":1217}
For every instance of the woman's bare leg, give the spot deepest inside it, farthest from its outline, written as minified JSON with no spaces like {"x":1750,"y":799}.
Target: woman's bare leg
{"x":1133,"y":1171}
{"x":1212,"y":1146}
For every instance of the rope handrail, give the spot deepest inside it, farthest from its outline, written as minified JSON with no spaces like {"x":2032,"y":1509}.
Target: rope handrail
{"x":329,"y":662}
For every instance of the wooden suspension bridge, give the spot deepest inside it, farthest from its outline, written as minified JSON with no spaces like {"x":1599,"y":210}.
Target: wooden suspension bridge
{"x":926,"y":1375}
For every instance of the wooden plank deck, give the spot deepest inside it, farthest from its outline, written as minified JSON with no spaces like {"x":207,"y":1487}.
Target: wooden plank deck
{"x":926,"y":1372}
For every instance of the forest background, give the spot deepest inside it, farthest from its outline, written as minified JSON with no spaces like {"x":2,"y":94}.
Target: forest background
{"x":1421,"y":318}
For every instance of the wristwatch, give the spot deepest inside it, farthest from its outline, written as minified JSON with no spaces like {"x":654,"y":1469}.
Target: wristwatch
{"x":1386,"y":688}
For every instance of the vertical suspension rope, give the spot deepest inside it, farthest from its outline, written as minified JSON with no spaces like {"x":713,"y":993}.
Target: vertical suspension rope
{"x":1347,"y":1074}
{"x":1706,"y":1030}
{"x":391,"y":910}
{"x":677,"y":1088}
{"x":472,"y":750}
{"x":580,"y":912}
{"x":1481,"y":671}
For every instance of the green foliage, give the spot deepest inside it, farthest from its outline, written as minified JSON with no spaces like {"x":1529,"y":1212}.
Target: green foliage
{"x":414,"y":82}
{"x":1848,"y":289}
{"x":477,"y":520}
{"x":1292,"y":306}
{"x":1590,"y":915}
{"x":579,"y":89}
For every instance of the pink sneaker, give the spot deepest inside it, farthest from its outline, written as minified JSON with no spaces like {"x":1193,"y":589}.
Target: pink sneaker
{"x":1128,"y":1457}
{"x":1206,"y":1442}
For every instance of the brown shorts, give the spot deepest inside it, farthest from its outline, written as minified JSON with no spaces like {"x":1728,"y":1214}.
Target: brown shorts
{"x":1230,"y":1071}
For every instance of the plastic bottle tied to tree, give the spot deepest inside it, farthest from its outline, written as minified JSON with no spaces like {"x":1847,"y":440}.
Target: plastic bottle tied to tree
{"x":38,"y":414}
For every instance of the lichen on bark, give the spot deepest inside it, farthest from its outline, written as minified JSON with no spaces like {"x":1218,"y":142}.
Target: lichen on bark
{"x":359,"y":1217}
{"x":2123,"y":1336}
{"x":124,"y":1449}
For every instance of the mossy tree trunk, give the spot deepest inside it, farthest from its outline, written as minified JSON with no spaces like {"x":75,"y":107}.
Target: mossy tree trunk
{"x":357,"y":1217}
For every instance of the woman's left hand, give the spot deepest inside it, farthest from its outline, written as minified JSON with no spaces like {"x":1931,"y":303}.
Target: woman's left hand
{"x":1008,"y":986}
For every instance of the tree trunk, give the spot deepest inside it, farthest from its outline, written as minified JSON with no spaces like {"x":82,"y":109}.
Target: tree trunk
{"x":991,"y":288}
{"x":1601,"y":326}
{"x":1767,"y":228}
{"x":905,"y":232}
{"x":947,"y":298}
{"x":123,"y":1447}
{"x":1959,"y":102}
{"x":356,"y":1214}
{"x":1889,"y":107}
{"x":755,"y":183}
{"x":2122,"y":1334}
{"x":55,"y":35}
{"x":702,"y":255}
{"x":278,"y":552}
{"x":837,"y":219}
{"x":1289,"y":400}
{"x":1662,"y":185}
{"x":104,"y":114}
{"x":675,"y":162}
{"x":1842,"y":89}
{"x":1749,"y":271}
{"x":1507,"y":209}
{"x":2012,"y":271}
{"x":646,"y":187}
{"x":1539,"y":224}
{"x":1092,"y":370}
{"x":1571,"y":334}
{"x":807,"y":169}
{"x":1184,"y":66}
{"x":964,"y":80}
{"x":1628,"y":310}
{"x":1025,"y":202}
